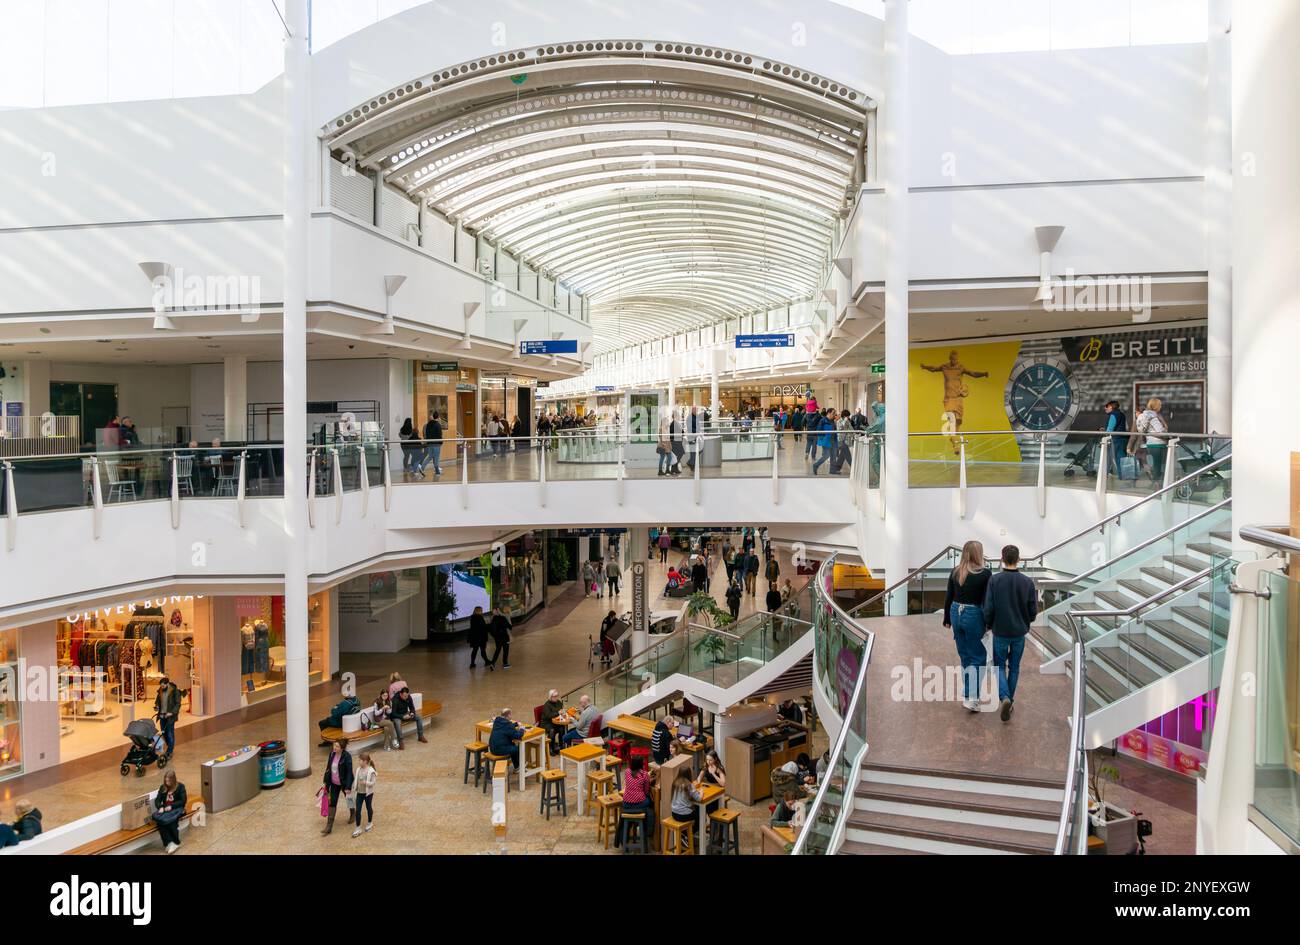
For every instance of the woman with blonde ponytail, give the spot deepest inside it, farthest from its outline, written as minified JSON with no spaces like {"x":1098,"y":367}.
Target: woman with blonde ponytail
{"x":963,"y":612}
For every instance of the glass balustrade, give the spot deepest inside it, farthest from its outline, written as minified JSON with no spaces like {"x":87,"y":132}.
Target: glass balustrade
{"x":1277,"y":724}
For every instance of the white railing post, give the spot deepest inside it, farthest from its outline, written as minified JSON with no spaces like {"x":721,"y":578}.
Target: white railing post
{"x":176,"y":493}
{"x":338,"y":485}
{"x":11,"y":508}
{"x":1166,"y":500}
{"x":464,"y":474}
{"x":1103,"y":466}
{"x":311,"y":489}
{"x":880,"y":490}
{"x":365,"y":479}
{"x":961,"y":479}
{"x":97,"y":498}
{"x":1042,"y":475}
{"x":388,"y":480}
{"x":541,"y":483}
{"x":239,"y":496}
{"x":776,"y":476}
{"x":622,"y":469}
{"x":695,"y":467}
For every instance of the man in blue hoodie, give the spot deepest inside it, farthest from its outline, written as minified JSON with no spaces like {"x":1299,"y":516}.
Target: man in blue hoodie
{"x":825,"y":439}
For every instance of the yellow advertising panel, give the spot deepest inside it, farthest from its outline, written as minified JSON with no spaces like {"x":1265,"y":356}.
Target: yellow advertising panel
{"x":961,"y":389}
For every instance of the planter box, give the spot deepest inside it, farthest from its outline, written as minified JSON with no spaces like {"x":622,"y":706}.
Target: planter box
{"x":1119,"y":832}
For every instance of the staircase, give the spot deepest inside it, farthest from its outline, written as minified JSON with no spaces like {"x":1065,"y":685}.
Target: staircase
{"x":1138,"y":668}
{"x":898,"y":809}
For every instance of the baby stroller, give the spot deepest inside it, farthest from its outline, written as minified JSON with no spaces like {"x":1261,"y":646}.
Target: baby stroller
{"x":147,"y":747}
{"x":1191,"y":460}
{"x":1085,"y":458}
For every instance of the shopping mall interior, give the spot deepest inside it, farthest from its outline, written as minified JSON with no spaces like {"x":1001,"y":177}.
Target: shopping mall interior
{"x":793,"y":429}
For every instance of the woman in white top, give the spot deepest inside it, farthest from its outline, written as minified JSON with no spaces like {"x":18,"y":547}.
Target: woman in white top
{"x":1151,"y":423}
{"x":365,"y":777}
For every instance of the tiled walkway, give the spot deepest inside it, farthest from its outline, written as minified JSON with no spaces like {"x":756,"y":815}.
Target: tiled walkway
{"x":421,"y":805}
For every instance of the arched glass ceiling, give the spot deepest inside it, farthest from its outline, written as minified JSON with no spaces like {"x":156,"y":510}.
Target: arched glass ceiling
{"x":673,"y":185}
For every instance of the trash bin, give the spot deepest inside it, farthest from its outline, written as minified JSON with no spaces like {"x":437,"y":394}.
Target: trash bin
{"x":271,"y":765}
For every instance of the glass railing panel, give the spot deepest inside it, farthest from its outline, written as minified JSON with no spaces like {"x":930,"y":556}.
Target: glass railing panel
{"x":497,"y":459}
{"x":44,"y":484}
{"x":934,"y":460}
{"x":1001,"y":459}
{"x":1277,"y":732}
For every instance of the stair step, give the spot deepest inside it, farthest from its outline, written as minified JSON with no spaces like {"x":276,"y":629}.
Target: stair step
{"x":1186,"y":562}
{"x":1092,"y":628}
{"x":1143,"y":589}
{"x":1166,"y":576}
{"x":1197,"y":615}
{"x":1208,"y":548}
{"x":1028,"y":808}
{"x":1108,"y":688}
{"x":1157,"y":652}
{"x":1049,"y":638}
{"x":1124,"y":666}
{"x":1217,"y":597}
{"x":1224,"y":535}
{"x":1115,"y":599}
{"x":1183,"y":635}
{"x":855,"y":848}
{"x":970,"y":838}
{"x":1001,"y":784}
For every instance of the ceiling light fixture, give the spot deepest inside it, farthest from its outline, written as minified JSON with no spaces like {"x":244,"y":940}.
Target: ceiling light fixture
{"x":159,"y":275}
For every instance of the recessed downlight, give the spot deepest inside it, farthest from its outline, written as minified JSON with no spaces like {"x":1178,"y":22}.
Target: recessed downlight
{"x":44,"y":330}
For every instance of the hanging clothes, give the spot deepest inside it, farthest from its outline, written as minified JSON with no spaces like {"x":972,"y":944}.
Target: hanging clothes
{"x":261,"y":648}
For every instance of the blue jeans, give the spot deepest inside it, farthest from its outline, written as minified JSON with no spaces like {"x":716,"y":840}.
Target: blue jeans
{"x":572,"y":737}
{"x":826,"y":452}
{"x":430,"y":453}
{"x":1006,"y":657}
{"x":810,"y":447}
{"x":168,"y":726}
{"x":968,"y":633}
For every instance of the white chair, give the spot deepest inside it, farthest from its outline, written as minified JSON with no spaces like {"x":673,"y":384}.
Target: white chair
{"x":118,"y":488}
{"x":278,"y":658}
{"x":185,"y":475}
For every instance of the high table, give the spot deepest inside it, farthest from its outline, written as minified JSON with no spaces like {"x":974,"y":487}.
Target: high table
{"x":582,"y":755}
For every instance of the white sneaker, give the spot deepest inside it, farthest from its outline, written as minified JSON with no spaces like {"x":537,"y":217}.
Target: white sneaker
{"x":172,"y":847}
{"x":368,"y":826}
{"x":357,"y":832}
{"x":970,"y":705}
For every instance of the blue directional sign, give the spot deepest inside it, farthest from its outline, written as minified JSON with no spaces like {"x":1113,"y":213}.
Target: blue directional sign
{"x":563,"y":346}
{"x":602,"y":389}
{"x":782,"y":340}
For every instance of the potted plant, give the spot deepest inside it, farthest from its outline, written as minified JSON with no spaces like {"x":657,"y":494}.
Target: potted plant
{"x":702,"y":608}
{"x":1114,"y":826}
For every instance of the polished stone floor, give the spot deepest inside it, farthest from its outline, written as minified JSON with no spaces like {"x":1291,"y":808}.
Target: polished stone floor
{"x":421,"y":805}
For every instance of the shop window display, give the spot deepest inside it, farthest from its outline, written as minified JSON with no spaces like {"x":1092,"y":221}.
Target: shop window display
{"x":261,"y":638}
{"x":517,"y":581}
{"x":11,"y":708}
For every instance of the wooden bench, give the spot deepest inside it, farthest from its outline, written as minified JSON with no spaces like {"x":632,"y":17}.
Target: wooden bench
{"x":116,"y":841}
{"x":428,"y":710}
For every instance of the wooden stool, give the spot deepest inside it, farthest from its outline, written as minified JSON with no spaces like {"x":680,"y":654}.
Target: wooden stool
{"x":599,"y":783}
{"x":724,"y":830}
{"x":607,"y":809}
{"x":489,"y":761}
{"x":676,"y":837}
{"x":553,"y":793}
{"x":615,"y":763}
{"x":474,"y":750}
{"x":629,"y":822}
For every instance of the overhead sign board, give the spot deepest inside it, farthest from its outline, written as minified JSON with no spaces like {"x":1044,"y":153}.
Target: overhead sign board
{"x":562,"y":346}
{"x":441,"y":367}
{"x":604,"y":388}
{"x":782,"y":340}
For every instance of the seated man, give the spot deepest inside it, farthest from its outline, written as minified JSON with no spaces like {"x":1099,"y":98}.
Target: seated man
{"x":348,"y":706}
{"x":580,"y":726}
{"x":552,"y":708}
{"x":403,"y":710}
{"x":505,"y":736}
{"x":791,"y":712}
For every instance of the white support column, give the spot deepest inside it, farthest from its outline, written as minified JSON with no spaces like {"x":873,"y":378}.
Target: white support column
{"x":235,"y":395}
{"x":11,"y":508}
{"x":715,"y":402}
{"x":243,"y":485}
{"x":1042,"y":476}
{"x":1218,"y":219}
{"x":893,"y":159}
{"x":298,"y":145}
{"x":175,"y":493}
{"x":1103,"y":467}
{"x":1265,"y":279}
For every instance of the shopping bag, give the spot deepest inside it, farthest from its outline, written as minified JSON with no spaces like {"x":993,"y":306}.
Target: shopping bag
{"x":324,"y":802}
{"x":1128,"y":467}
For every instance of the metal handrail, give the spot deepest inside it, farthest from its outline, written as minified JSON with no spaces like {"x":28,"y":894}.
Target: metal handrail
{"x":1278,"y":537}
{"x":1143,"y":604}
{"x":1116,"y":516}
{"x":859,"y":687}
{"x":1075,"y":433}
{"x":1061,"y":582}
{"x":950,"y":549}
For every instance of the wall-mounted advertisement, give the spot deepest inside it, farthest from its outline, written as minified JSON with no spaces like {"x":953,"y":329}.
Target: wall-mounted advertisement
{"x":1051,"y":385}
{"x":472,"y":587}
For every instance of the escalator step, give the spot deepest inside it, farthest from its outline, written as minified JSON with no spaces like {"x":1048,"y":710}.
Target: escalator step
{"x":1182,"y":635}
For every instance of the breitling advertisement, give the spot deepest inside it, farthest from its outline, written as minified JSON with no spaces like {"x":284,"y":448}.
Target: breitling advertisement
{"x":1056,"y":385}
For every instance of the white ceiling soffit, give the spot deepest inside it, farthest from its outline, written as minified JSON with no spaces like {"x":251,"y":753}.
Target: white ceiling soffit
{"x":672,"y":184}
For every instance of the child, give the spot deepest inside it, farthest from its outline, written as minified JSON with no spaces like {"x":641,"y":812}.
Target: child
{"x":364,"y":790}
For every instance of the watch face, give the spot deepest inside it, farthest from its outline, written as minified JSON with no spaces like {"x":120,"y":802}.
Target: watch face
{"x":1040,"y":397}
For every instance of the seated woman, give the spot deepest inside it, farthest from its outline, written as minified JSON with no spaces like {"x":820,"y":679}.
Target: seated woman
{"x":381,"y":715}
{"x":786,"y":808}
{"x":636,"y":796}
{"x":27,"y":824}
{"x":552,"y":708}
{"x":713,"y":773}
{"x":685,"y":796}
{"x":169,"y":808}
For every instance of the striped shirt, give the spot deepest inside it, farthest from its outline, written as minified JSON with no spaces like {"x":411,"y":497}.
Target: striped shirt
{"x":635,"y":787}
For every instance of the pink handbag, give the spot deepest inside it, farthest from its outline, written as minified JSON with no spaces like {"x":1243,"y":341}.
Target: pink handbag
{"x":324,"y":801}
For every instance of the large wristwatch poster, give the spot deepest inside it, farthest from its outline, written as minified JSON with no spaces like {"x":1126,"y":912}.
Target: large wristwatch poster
{"x":1052,"y":385}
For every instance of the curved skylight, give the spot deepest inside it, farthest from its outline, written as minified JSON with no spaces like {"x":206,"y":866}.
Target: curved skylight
{"x":674,"y":185}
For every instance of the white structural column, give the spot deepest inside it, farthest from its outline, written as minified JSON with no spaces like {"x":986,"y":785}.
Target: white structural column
{"x":235,"y":393}
{"x":1218,"y":217}
{"x":893,"y":161}
{"x":716,"y":357}
{"x":1265,"y":278}
{"x":297,"y":146}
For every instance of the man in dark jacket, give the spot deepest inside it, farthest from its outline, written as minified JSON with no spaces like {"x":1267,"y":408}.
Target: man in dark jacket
{"x":348,"y":706}
{"x":28,"y":824}
{"x":772,"y":572}
{"x":1010,"y":606}
{"x":751,"y":572}
{"x":733,"y":599}
{"x":403,"y":710}
{"x":699,"y":575}
{"x":505,"y":736}
{"x":432,"y":446}
{"x":477,"y":637}
{"x":1116,"y":423}
{"x":500,"y":630}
